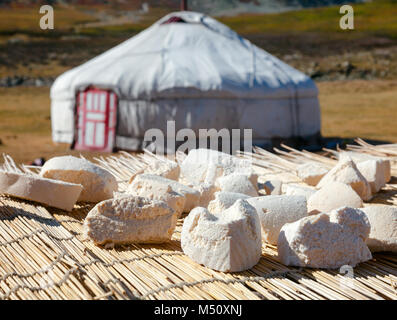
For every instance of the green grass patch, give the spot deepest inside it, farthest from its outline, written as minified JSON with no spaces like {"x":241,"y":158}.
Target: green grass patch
{"x":377,"y":17}
{"x":26,"y":20}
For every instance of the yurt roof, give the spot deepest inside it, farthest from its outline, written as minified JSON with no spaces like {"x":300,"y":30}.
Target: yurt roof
{"x":194,"y":57}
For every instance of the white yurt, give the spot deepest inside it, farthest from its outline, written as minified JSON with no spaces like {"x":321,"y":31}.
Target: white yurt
{"x":187,"y":68}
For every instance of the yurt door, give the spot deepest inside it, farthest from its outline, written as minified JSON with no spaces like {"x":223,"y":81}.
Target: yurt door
{"x":96,"y":120}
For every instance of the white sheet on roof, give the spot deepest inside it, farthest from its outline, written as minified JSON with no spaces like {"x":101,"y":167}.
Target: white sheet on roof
{"x":200,"y":74}
{"x":195,"y":59}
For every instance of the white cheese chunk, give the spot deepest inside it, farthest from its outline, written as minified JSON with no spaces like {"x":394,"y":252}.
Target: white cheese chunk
{"x":346,"y":172}
{"x":98,"y":184}
{"x":50,"y":192}
{"x":326,"y":240}
{"x":311,"y":173}
{"x":292,"y":189}
{"x":206,"y":165}
{"x":164,"y":168}
{"x":229,"y":241}
{"x":275,"y":211}
{"x":157,"y":191}
{"x":332,"y":196}
{"x":383,"y":221}
{"x":239,"y":183}
{"x":373,"y":171}
{"x":130,"y":219}
{"x":192,"y":196}
{"x":224,"y":200}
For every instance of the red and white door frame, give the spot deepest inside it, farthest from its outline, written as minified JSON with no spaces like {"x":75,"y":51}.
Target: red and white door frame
{"x":96,"y":117}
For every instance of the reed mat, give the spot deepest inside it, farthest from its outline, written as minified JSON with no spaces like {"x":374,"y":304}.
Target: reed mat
{"x":44,"y":255}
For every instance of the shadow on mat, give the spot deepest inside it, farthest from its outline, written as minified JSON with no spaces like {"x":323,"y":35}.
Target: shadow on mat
{"x":385,"y":197}
{"x":9,"y":212}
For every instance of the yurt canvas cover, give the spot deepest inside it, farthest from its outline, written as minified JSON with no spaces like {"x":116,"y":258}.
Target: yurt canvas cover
{"x":191,"y":69}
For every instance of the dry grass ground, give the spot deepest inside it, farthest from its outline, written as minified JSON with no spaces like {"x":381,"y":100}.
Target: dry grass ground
{"x":27,"y":19}
{"x":366,"y":109}
{"x":25,"y":125}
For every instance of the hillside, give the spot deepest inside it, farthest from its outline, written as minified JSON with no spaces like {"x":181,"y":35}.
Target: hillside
{"x":309,"y":39}
{"x":216,"y":8}
{"x":235,"y":7}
